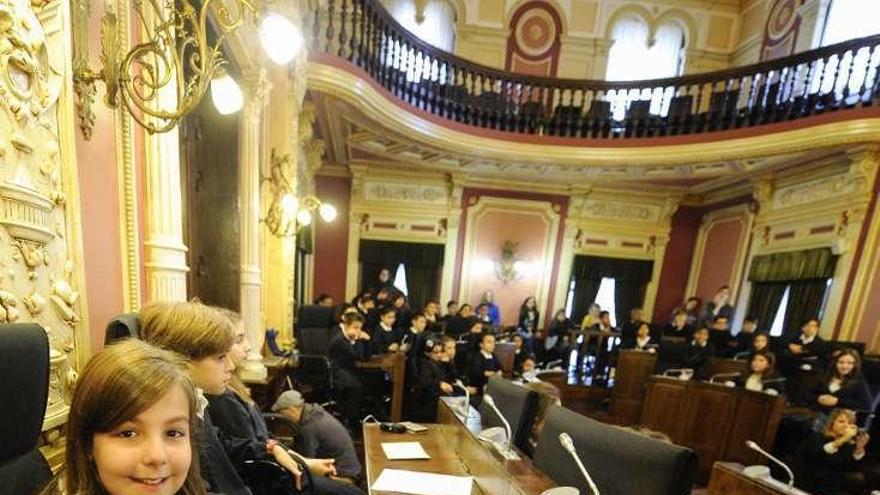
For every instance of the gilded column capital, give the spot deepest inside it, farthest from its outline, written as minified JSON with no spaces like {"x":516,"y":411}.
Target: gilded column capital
{"x":256,"y":90}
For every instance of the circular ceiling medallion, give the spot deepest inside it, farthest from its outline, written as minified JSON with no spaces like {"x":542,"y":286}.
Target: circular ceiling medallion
{"x":782,"y":18}
{"x":535,"y":32}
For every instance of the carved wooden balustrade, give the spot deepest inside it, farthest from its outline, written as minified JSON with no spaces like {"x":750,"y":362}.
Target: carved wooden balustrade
{"x":828,"y":79}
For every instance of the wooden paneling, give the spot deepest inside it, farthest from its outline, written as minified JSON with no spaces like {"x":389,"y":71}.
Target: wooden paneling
{"x":628,"y":393}
{"x":712,"y":419}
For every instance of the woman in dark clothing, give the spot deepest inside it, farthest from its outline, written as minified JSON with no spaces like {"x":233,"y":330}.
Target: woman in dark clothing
{"x":528,"y":317}
{"x":557,"y":336}
{"x":844,"y":386}
{"x":760,"y":377}
{"x":431,"y":384}
{"x":821,"y":462}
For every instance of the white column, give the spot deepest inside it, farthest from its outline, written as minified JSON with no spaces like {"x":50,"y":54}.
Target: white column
{"x":256,"y":89}
{"x":165,"y":251}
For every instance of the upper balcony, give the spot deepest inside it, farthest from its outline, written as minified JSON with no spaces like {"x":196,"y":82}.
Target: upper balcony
{"x":837,"y":82}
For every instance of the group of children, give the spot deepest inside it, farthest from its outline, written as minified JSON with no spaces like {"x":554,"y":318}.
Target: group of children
{"x":167,"y":415}
{"x":437,"y":364}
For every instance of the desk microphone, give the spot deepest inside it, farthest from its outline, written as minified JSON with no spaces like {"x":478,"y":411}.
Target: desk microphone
{"x":568,"y":445}
{"x":509,"y":453}
{"x":679,"y":371}
{"x":467,"y":399}
{"x":754,"y":446}
{"x":722,"y":375}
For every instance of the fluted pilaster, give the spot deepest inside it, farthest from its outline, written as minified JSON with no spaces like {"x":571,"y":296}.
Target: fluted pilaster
{"x":256,"y":88}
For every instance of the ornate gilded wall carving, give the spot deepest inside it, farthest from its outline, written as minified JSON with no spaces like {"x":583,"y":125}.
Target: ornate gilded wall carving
{"x":38,"y":265}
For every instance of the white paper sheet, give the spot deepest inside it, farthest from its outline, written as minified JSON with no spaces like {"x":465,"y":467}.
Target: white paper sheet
{"x":397,"y":451}
{"x":416,"y":483}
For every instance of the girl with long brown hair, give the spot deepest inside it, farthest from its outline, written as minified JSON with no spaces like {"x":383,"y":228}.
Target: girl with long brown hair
{"x":844,"y":386}
{"x":132,"y":425}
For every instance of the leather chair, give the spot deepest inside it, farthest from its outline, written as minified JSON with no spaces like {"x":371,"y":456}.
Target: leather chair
{"x":314,"y":330}
{"x":122,"y":327}
{"x":621,"y":462}
{"x":518,"y":404}
{"x":24,"y":380}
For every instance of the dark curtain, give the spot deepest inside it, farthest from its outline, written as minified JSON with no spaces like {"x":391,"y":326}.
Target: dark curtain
{"x":423,"y":263}
{"x":596,"y":267}
{"x":370,"y":273}
{"x":630,"y":276}
{"x":585,"y":291}
{"x":423,"y":284}
{"x":809,"y":264}
{"x":804,"y":303}
{"x":764,"y":302}
{"x":628,"y":294}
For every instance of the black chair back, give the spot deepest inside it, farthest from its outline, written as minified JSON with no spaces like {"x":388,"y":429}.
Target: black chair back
{"x":122,"y":327}
{"x":312,"y":316}
{"x":24,"y":380}
{"x":671,"y":354}
{"x":518,"y":405}
{"x":620,"y":461}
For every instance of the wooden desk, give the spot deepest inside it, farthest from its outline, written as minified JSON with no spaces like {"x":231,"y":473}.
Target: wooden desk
{"x":719,"y":366}
{"x":493,"y":474}
{"x":393,"y":363}
{"x":728,"y":479}
{"x":265,"y":391}
{"x":713,"y":419}
{"x":506,"y":354}
{"x":628,"y":393}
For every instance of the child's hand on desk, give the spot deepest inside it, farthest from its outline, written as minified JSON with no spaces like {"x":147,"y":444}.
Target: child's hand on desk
{"x":827,"y":400}
{"x":393,"y":347}
{"x":445,"y":388}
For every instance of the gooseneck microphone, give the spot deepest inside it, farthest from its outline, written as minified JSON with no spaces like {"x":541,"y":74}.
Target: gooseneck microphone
{"x":491,"y":402}
{"x":568,"y":445}
{"x":722,"y":375}
{"x":754,"y":446}
{"x":467,"y":399}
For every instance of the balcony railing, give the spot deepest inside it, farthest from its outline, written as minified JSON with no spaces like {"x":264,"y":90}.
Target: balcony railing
{"x":828,"y":79}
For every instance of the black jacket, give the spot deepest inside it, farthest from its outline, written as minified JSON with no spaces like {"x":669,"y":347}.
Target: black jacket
{"x":819,"y":472}
{"x":426,"y":392}
{"x":381,"y":339}
{"x":686,"y":331}
{"x":528,"y":321}
{"x":854,"y":395}
{"x":218,"y":470}
{"x":697,"y":358}
{"x":344,"y":355}
{"x":480,"y":365}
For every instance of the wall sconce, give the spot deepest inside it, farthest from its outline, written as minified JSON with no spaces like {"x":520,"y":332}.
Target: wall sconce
{"x":287,"y":213}
{"x":174,"y":51}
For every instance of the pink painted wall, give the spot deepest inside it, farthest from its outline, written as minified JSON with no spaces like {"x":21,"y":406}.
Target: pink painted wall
{"x":677,"y":262}
{"x":530,"y":230}
{"x":98,"y":182}
{"x":331,"y":239}
{"x":719,"y":256}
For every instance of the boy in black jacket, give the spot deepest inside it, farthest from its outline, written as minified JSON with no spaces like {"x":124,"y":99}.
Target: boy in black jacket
{"x":345,"y":350}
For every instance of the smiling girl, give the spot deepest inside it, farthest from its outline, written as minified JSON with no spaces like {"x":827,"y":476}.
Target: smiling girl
{"x":131,"y":424}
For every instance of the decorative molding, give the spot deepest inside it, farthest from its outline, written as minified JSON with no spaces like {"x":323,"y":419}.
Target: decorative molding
{"x":739,"y":213}
{"x":815,"y":190}
{"x":405,"y":193}
{"x":617,"y":210}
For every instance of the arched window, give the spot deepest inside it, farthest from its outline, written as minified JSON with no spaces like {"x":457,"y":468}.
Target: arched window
{"x":436,"y":28}
{"x":848,"y":19}
{"x":634,"y":56}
